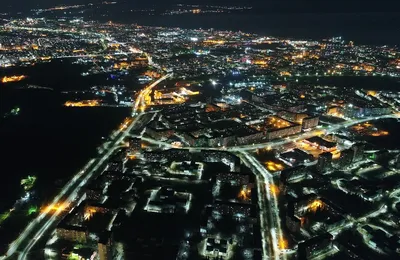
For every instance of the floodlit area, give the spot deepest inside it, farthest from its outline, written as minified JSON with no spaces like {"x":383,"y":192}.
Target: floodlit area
{"x":186,"y":168}
{"x":238,"y":146}
{"x":315,"y":151}
{"x":274,"y":166}
{"x":126,"y":123}
{"x":55,"y":208}
{"x":15,"y":78}
{"x":369,"y":129}
{"x":277,"y":123}
{"x":167,"y":200}
{"x":83,"y":103}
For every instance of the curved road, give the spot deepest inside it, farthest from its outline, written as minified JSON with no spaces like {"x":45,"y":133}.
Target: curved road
{"x":47,"y":219}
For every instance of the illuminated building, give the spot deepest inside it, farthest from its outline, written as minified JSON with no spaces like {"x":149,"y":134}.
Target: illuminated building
{"x":290,"y":175}
{"x":72,"y":233}
{"x":217,"y":248}
{"x":159,"y":134}
{"x":221,"y":156}
{"x":83,"y":103}
{"x":284,"y":132}
{"x":94,"y":194}
{"x":233,"y":209}
{"x":233,"y":178}
{"x":295,"y":157}
{"x":171,"y":154}
{"x":365,"y":110}
{"x":166,"y":200}
{"x":135,"y":145}
{"x":314,"y":245}
{"x":115,"y":165}
{"x":334,"y":111}
{"x":12,"y":78}
{"x":310,"y":122}
{"x":321,"y":143}
{"x":324,"y":162}
{"x":90,"y":210}
{"x":104,"y":246}
{"x":292,"y":116}
{"x":303,"y":204}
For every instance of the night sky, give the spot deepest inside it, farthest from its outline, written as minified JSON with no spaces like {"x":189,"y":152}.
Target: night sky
{"x":338,"y":6}
{"x":367,"y":21}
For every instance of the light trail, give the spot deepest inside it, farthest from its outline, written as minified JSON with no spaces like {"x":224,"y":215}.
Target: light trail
{"x":274,"y":226}
{"x":140,"y":100}
{"x":279,"y":142}
{"x":70,"y":192}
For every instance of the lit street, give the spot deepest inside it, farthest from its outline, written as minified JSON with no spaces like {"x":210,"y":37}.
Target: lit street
{"x":73,"y":189}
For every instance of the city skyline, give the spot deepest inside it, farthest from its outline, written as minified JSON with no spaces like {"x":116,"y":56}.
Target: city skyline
{"x":130,"y":140}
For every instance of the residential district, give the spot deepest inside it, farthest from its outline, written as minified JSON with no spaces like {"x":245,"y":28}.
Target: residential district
{"x":234,"y":149}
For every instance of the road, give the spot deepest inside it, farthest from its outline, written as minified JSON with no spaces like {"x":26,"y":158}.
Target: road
{"x":140,"y":103}
{"x":278,"y":142}
{"x":21,"y":247}
{"x":305,"y":135}
{"x":273,"y":235}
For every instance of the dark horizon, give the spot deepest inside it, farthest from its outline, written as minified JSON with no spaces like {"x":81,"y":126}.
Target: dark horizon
{"x":268,"y":6}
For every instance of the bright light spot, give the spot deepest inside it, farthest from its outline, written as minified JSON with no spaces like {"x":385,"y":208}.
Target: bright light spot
{"x":283,"y":244}
{"x":315,"y":205}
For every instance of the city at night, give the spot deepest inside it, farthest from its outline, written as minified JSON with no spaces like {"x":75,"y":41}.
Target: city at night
{"x":200,"y":130}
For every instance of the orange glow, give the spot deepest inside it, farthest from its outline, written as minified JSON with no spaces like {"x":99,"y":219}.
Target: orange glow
{"x":283,"y":244}
{"x":176,"y":144}
{"x":244,"y":194}
{"x":12,"y":78}
{"x":302,"y":221}
{"x":89,"y":213}
{"x":371,"y":93}
{"x":302,"y":96}
{"x":59,"y":207}
{"x":188,"y":92}
{"x":369,"y":129}
{"x":273,"y":166}
{"x":214,"y":41}
{"x":335,"y":155}
{"x":277,"y":123}
{"x":83,"y":103}
{"x":285,"y":73}
{"x":315,"y":205}
{"x":157,"y":94}
{"x":379,"y":133}
{"x":125,"y":124}
{"x":274,"y":189}
{"x":260,"y":62}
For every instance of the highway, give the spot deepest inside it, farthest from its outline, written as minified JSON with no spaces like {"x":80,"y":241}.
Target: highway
{"x":277,"y":142}
{"x":47,"y":219}
{"x":305,"y":135}
{"x":140,"y":103}
{"x":273,"y":235}
{"x":269,"y":212}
